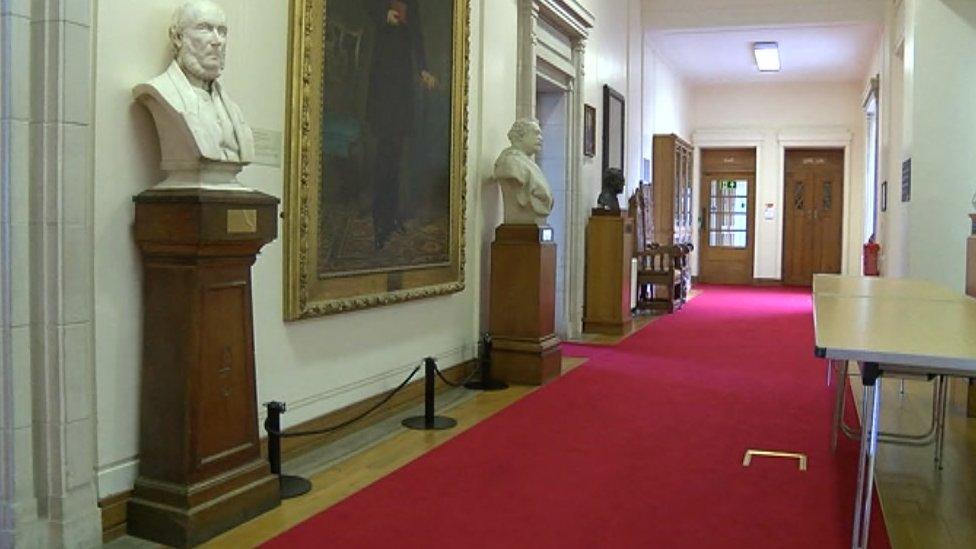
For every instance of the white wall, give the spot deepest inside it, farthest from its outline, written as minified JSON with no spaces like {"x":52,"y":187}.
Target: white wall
{"x":896,"y":68}
{"x":315,"y":365}
{"x":927,"y":99}
{"x":770,"y":112}
{"x":944,"y":139}
{"x":666,"y":105}
{"x":670,"y":97}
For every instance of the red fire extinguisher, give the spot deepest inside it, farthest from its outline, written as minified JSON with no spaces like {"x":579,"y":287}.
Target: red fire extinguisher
{"x":871,"y":251}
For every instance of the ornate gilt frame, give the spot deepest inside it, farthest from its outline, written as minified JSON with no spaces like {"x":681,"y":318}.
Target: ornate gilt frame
{"x":307,"y":295}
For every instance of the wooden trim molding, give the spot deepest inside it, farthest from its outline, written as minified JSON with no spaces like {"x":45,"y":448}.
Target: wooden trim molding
{"x":114,"y":506}
{"x":767,"y":282}
{"x":114,"y":515}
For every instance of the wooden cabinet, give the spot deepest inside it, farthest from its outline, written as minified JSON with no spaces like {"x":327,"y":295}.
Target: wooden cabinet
{"x":673,"y":169}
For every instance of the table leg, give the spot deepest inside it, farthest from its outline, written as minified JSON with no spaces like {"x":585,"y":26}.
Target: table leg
{"x":870,"y":377}
{"x":839,"y":395}
{"x":940,"y":412}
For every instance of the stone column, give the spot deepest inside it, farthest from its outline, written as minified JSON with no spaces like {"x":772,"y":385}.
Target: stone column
{"x":47,"y":421}
{"x":528,"y":20}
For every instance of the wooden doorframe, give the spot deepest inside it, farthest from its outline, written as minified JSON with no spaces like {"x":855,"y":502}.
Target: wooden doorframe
{"x":725,"y":139}
{"x":817,"y":138}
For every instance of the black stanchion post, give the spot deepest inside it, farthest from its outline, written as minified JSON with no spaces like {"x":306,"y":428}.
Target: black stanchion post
{"x":429,"y":421}
{"x":486,"y":383}
{"x":291,"y":485}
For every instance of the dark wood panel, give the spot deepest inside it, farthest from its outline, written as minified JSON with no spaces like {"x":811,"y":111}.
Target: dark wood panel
{"x":227,"y":418}
{"x":728,"y":161}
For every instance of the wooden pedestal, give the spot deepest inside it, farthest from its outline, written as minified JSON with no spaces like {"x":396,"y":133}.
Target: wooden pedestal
{"x":200,"y":465}
{"x":525,"y":348}
{"x":609,"y":248}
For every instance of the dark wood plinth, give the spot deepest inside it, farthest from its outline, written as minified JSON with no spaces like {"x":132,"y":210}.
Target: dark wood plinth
{"x":525,"y":348}
{"x":200,"y":465}
{"x":609,"y":248}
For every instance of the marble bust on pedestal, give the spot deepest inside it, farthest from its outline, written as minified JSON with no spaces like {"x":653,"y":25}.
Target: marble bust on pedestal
{"x":204,"y":140}
{"x":525,"y":191}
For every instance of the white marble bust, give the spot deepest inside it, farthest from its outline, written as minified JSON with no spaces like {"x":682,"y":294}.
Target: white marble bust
{"x":203,"y":138}
{"x":525,"y":191}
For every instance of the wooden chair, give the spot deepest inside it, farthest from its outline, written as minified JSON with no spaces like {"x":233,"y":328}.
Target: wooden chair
{"x":660,"y":269}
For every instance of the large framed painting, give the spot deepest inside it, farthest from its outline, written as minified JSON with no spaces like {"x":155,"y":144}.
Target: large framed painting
{"x":613,"y":129}
{"x":376,"y":139}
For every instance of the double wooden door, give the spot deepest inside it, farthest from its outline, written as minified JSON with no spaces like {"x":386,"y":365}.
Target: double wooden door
{"x":813,"y":214}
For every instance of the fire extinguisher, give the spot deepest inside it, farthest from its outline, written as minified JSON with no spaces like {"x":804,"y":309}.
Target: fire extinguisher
{"x":871,"y":252}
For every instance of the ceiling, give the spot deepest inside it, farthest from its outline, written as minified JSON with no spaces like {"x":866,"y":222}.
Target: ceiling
{"x":824,"y":53}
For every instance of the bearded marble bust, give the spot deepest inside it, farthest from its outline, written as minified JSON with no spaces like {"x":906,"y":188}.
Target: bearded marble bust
{"x":204,"y":140}
{"x":525,"y":191}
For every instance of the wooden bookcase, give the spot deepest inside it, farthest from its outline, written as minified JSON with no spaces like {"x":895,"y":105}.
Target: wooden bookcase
{"x":673,"y":169}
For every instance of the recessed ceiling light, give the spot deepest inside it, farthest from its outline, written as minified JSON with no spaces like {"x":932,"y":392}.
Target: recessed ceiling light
{"x":767,"y":56}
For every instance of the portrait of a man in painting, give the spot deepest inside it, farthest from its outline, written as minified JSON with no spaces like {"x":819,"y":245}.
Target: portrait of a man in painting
{"x":385,"y":201}
{"x":378,"y":180}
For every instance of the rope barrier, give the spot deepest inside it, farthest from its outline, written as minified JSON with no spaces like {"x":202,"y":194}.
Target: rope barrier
{"x":346,"y":423}
{"x":293,"y":486}
{"x":461,"y":383}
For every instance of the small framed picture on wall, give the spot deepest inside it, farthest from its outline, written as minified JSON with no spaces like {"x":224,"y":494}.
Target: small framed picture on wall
{"x":589,"y":130}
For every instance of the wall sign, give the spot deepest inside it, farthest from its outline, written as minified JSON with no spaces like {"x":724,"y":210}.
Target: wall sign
{"x":906,"y":180}
{"x":267,"y":147}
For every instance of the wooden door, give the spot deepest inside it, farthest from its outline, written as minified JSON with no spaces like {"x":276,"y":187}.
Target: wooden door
{"x":813,"y":212}
{"x":728,"y":199}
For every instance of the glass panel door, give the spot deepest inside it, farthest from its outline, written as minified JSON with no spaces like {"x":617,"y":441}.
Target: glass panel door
{"x":728,"y":213}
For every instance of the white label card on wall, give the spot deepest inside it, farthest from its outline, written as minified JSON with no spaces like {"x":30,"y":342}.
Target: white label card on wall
{"x":267,"y":147}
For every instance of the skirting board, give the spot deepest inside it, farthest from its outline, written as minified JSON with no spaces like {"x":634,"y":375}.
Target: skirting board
{"x":114,"y":507}
{"x":755,"y":281}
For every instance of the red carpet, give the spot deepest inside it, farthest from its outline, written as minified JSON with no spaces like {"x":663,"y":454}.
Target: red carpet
{"x":640,"y":447}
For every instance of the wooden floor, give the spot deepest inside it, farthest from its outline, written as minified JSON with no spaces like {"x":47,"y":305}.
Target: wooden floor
{"x":926,"y":508}
{"x":640,"y":320}
{"x":361,"y":469}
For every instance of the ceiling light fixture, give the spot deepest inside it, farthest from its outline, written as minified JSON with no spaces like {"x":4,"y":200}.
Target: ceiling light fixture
{"x":767,"y":56}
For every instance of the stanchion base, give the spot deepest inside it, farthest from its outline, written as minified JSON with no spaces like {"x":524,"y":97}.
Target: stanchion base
{"x":292,"y":486}
{"x":419,"y":423}
{"x":486,"y":385}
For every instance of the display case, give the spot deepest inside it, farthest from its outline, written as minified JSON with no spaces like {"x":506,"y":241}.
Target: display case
{"x":673,"y":169}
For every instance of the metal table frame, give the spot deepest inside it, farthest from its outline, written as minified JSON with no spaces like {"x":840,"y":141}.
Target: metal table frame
{"x":934,"y":433}
{"x":893,"y":333}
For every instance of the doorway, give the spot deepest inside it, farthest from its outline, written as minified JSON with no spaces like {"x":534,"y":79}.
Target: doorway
{"x":813,"y":214}
{"x":728,"y":219}
{"x":552,"y":111}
